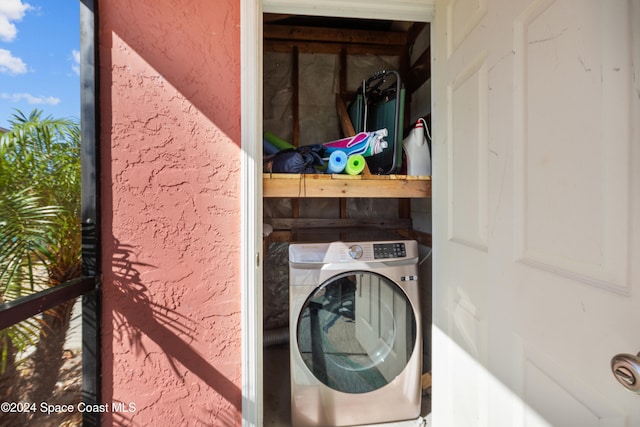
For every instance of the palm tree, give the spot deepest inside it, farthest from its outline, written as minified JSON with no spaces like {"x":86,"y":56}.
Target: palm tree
{"x":40,"y":235}
{"x":24,"y":228}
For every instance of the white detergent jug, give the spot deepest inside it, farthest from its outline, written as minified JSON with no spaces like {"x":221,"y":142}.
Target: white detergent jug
{"x":417,"y":150}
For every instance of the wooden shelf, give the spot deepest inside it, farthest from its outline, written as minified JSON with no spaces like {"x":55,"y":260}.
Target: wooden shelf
{"x":341,"y":185}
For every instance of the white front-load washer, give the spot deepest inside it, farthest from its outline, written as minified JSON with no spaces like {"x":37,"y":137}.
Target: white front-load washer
{"x":355,"y":332}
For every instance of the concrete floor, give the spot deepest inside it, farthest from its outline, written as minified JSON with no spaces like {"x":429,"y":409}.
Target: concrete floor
{"x":277,"y":388}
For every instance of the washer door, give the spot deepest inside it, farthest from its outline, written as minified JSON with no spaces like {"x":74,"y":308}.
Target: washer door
{"x":356,"y":332}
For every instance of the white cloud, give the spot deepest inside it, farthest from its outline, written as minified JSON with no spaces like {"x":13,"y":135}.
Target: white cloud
{"x":30,"y":99}
{"x":11,"y":10}
{"x":11,"y":64}
{"x":75,"y":57}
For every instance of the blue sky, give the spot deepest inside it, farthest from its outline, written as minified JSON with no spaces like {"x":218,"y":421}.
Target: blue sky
{"x":39,"y":44}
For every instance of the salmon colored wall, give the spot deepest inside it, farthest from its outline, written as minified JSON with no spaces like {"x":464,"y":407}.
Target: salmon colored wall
{"x":170,"y":134}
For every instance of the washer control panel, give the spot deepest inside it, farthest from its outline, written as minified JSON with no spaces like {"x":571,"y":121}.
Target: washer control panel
{"x":389,"y":250}
{"x":343,"y":252}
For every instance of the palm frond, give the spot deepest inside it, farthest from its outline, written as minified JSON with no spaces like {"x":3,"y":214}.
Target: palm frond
{"x":40,"y":186}
{"x":25,"y":238}
{"x":20,"y":337}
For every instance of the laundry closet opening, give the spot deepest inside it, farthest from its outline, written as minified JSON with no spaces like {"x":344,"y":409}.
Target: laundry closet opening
{"x":314,"y":70}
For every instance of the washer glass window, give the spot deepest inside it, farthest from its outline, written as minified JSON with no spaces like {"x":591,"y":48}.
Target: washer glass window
{"x":356,"y":332}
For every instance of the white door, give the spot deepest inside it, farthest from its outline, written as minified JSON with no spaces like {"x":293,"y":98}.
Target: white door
{"x":536,"y":205}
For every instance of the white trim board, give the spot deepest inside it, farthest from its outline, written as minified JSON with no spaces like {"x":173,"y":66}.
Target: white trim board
{"x":251,"y":210}
{"x":401,"y":10}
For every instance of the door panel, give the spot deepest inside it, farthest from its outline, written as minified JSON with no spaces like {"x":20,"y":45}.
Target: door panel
{"x":536,"y":211}
{"x":556,"y":224}
{"x":467,"y":96}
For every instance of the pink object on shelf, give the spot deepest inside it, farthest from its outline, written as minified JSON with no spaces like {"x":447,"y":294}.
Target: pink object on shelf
{"x":365,"y":143}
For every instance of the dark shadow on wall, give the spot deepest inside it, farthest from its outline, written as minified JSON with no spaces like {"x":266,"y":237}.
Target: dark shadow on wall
{"x":134,"y":316}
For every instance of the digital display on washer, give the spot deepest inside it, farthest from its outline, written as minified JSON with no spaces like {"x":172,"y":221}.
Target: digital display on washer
{"x":389,"y":250}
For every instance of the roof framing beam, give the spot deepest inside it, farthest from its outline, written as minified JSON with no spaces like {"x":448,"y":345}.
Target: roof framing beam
{"x":334,"y":35}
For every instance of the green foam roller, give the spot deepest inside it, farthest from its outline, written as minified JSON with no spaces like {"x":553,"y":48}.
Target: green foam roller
{"x":277,"y":141}
{"x":355,"y":164}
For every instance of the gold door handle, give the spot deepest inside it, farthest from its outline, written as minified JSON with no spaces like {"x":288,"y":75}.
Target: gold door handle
{"x":626,"y":369}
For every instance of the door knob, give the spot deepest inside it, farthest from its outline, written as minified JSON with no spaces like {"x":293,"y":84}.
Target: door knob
{"x":626,"y":369}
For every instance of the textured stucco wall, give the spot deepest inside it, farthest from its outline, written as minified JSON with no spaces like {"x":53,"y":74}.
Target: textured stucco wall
{"x":170,"y":129}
